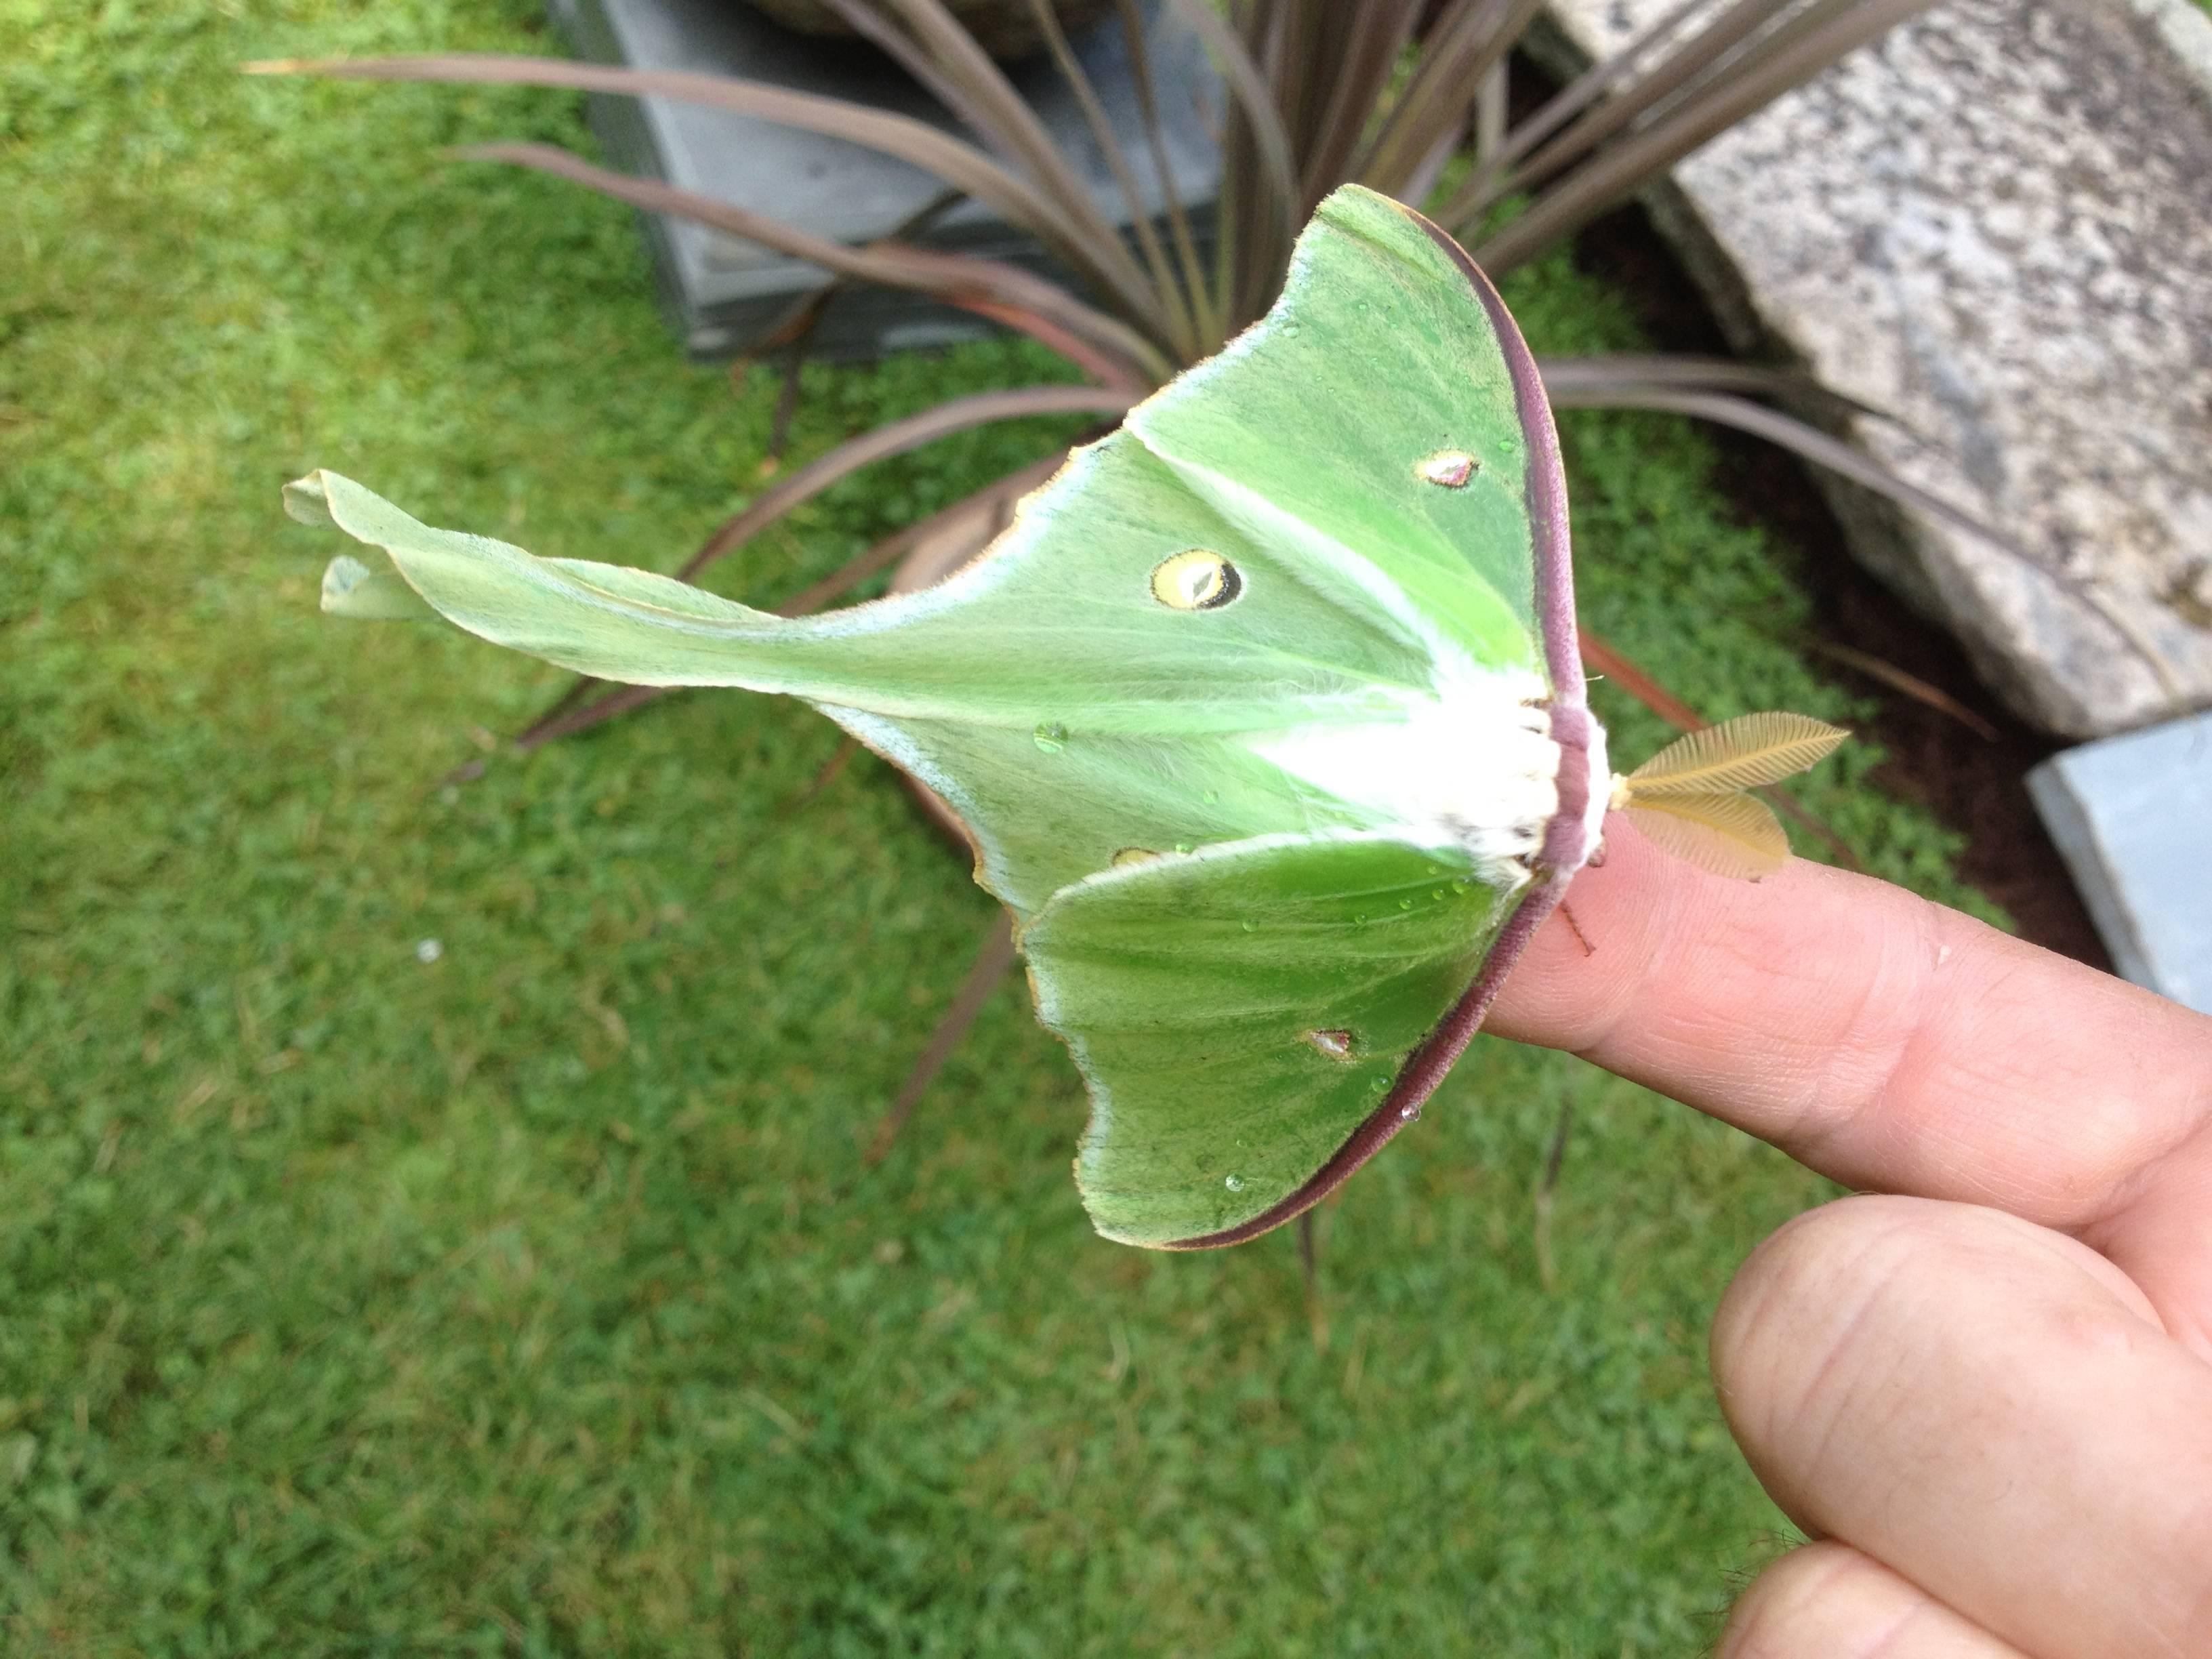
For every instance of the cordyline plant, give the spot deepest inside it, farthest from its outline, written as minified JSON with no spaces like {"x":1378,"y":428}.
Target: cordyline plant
{"x":1406,"y":97}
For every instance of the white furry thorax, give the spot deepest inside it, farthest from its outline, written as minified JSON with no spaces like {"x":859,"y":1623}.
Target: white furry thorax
{"x":1473,"y":765}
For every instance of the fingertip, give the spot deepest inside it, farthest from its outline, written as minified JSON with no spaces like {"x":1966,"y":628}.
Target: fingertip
{"x":1828,"y":1600}
{"x":1820,"y":1272}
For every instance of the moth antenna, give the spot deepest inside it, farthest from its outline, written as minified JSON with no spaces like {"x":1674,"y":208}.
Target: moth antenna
{"x":1741,"y":754}
{"x":1733,"y":836}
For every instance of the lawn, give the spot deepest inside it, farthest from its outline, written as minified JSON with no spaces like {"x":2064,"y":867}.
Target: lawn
{"x":524,"y":1293}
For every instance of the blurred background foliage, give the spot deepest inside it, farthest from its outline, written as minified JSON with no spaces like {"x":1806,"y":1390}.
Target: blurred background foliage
{"x":533,"y":1298}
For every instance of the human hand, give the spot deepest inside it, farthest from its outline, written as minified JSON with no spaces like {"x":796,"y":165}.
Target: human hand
{"x":1989,"y":1395}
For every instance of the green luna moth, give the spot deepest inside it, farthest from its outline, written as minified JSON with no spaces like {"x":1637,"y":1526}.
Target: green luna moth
{"x":1265,"y":718}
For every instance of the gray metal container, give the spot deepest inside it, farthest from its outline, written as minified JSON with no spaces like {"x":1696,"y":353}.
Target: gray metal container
{"x":722,"y":292}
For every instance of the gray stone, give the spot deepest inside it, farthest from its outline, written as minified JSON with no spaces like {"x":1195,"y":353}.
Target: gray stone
{"x":2133,"y":817}
{"x":1995,"y":223}
{"x":722,"y":291}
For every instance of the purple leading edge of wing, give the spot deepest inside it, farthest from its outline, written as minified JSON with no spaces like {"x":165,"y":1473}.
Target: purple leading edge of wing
{"x":1566,"y":838}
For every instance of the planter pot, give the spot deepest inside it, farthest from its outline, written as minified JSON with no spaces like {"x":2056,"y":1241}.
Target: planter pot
{"x":725,"y":291}
{"x":1005,"y":29}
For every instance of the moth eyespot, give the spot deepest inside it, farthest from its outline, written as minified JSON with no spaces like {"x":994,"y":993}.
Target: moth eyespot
{"x":1449,"y":467}
{"x":1129,"y":855}
{"x":1337,"y":1045}
{"x":1196,"y":581}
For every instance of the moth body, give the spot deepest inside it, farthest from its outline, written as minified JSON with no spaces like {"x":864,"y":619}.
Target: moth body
{"x":1583,"y":751}
{"x":1473,"y":766}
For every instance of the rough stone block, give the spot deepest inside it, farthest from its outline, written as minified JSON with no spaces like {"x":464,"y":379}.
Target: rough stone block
{"x":722,"y":290}
{"x":2132,"y":816}
{"x":1995,"y":223}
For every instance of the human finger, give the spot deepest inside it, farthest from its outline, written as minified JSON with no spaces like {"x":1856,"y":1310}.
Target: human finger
{"x":1894,"y":1045}
{"x":1982,"y":1406}
{"x":1827,"y":1601}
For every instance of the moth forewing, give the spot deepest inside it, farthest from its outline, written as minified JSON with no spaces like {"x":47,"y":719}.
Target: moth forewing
{"x":1739,"y":754}
{"x":1733,"y":836}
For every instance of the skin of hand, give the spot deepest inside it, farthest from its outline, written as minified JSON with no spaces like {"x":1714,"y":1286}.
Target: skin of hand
{"x":1983,"y":1387}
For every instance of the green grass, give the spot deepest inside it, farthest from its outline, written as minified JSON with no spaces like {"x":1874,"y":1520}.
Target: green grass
{"x":534,"y":1300}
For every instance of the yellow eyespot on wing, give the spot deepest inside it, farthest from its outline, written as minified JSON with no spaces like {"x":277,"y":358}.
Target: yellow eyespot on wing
{"x":1196,"y":581}
{"x":1731,"y":835}
{"x":1742,"y":753}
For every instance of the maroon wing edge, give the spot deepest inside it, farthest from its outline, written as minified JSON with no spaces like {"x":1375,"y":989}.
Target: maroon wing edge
{"x":1565,"y":838}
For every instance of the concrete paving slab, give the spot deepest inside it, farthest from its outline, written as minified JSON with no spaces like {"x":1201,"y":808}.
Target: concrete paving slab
{"x":2132,"y":817}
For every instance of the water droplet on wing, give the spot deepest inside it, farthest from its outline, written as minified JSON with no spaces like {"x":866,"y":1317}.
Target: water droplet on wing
{"x":1234,"y":1183}
{"x":1051,"y":736}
